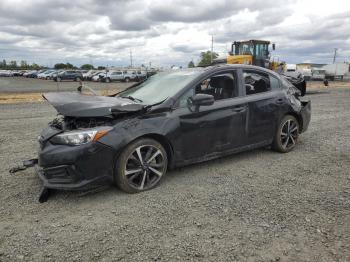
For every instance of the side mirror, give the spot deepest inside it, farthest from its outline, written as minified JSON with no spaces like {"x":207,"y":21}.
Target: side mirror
{"x":201,"y":100}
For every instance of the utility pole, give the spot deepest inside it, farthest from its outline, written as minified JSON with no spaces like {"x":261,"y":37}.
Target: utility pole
{"x":211,"y":54}
{"x":335,"y":54}
{"x":130,"y":58}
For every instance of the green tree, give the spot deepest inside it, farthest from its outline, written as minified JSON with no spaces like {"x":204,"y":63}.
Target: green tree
{"x":69,"y":66}
{"x":101,"y":68}
{"x":60,"y":66}
{"x":24,"y":64}
{"x":13,"y":64}
{"x":35,"y":66}
{"x":190,"y":64}
{"x":206,"y":58}
{"x":3,"y":64}
{"x":87,"y":67}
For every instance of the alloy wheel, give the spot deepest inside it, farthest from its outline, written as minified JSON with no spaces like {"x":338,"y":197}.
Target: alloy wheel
{"x":289,"y":134}
{"x":144,"y":167}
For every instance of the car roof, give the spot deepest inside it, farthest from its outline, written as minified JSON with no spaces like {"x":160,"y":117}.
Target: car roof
{"x":214,"y":68}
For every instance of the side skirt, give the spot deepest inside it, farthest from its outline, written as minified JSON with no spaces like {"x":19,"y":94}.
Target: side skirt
{"x":216,"y":155}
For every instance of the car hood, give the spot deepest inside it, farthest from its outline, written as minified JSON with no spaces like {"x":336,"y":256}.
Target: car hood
{"x":75,"y":104}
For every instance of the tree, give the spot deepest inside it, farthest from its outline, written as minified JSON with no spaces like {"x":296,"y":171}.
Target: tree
{"x":13,"y":64}
{"x":206,"y":58}
{"x":24,"y":64}
{"x":101,"y":68}
{"x":60,"y":66}
{"x":87,"y":67}
{"x":69,"y":66}
{"x":3,"y":65}
{"x":190,"y":64}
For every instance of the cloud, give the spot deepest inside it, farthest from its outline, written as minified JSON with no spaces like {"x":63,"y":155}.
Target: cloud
{"x":168,"y":32}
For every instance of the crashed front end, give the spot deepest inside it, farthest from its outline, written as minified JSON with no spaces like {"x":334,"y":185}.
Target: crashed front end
{"x":72,"y":154}
{"x":74,"y":158}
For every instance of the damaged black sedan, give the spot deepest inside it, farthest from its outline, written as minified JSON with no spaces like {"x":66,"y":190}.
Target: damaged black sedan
{"x":172,"y":119}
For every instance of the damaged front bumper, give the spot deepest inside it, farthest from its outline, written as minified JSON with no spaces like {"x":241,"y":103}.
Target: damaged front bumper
{"x":79,"y":167}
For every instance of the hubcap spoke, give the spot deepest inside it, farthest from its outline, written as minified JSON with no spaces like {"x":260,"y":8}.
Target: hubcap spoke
{"x":132,"y":171}
{"x":154,"y":155}
{"x":138,"y":152}
{"x":143,"y":179}
{"x":286,"y":143}
{"x":292,"y":139}
{"x":155,"y":171}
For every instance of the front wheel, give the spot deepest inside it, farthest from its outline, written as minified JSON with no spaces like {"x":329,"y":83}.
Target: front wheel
{"x":127,"y":79}
{"x":287,"y":134}
{"x":108,"y":80}
{"x":141,"y":166}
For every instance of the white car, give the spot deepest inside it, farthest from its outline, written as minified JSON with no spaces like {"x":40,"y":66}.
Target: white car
{"x":6,"y":73}
{"x":46,"y":74}
{"x":98,"y":76}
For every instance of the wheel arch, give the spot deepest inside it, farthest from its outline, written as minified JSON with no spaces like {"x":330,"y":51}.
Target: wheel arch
{"x":298,"y":118}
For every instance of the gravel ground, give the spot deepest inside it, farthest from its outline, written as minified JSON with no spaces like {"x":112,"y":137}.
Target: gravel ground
{"x":254,"y":206}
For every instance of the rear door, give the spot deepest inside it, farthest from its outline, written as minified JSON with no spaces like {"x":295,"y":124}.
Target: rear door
{"x":265,"y":102}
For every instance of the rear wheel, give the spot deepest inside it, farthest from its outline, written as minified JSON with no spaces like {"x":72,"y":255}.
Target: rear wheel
{"x":127,"y":79}
{"x":287,"y":134}
{"x":77,"y":79}
{"x":141,"y":165}
{"x":108,"y":80}
{"x":59,"y":79}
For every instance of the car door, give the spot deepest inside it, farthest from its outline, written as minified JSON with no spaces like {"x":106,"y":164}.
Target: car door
{"x":209,"y":130}
{"x":265,"y":104}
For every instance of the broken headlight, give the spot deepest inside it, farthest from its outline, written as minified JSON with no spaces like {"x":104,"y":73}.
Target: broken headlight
{"x":80,"y":137}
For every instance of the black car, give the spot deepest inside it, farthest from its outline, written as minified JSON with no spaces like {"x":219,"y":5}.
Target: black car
{"x":172,"y":119}
{"x":68,"y":75}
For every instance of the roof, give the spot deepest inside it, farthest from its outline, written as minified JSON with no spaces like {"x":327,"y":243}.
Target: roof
{"x":254,"y":40}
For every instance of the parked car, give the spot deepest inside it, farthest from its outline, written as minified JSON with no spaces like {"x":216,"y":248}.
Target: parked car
{"x":33,"y":74}
{"x":46,"y":74}
{"x":318,"y":74}
{"x":6,"y":73}
{"x":68,"y":75}
{"x":98,"y":76}
{"x":125,"y":76}
{"x":172,"y":119}
{"x":89,"y":73}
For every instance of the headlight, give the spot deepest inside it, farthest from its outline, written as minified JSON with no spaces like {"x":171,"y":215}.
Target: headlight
{"x":80,"y":137}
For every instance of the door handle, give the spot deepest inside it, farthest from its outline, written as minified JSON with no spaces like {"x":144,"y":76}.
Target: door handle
{"x":238,"y":108}
{"x":279,"y":101}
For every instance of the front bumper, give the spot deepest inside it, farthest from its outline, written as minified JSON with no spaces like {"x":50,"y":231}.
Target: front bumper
{"x":75,"y":167}
{"x":305,"y":114}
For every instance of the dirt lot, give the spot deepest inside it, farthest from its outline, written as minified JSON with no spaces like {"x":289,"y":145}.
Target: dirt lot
{"x":254,"y":206}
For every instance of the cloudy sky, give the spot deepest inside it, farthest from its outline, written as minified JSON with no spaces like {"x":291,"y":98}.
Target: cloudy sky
{"x":167,"y":32}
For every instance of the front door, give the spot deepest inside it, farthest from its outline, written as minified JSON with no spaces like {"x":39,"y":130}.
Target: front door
{"x":207,"y":130}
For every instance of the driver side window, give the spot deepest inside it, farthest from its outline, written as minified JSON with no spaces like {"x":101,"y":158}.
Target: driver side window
{"x":220,"y":86}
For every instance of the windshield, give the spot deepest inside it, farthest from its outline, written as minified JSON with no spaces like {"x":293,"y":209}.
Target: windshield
{"x":160,"y":86}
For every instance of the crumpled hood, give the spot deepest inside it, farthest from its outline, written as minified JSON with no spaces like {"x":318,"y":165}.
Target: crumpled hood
{"x":75,"y":104}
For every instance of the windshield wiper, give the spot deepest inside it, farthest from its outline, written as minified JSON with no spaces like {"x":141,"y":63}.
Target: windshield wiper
{"x":132,"y":98}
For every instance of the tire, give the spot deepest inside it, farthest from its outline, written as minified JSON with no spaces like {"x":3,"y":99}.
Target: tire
{"x":127,"y":79}
{"x":131,"y":176}
{"x":108,"y":80}
{"x":77,"y":79}
{"x":287,"y":134}
{"x":59,"y":79}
